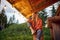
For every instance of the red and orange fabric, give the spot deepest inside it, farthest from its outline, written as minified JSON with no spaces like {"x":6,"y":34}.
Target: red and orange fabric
{"x":36,"y":25}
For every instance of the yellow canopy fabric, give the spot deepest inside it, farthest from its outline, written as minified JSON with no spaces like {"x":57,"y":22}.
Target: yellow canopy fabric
{"x":22,"y":6}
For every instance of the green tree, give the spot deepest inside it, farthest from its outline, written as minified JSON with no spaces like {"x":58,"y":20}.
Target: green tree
{"x":12,"y":20}
{"x":53,"y":11}
{"x":43,"y":15}
{"x":3,"y":19}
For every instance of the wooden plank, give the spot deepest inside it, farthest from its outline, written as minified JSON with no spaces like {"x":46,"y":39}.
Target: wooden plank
{"x":56,"y":31}
{"x":27,"y":7}
{"x":22,"y":6}
{"x":58,"y":11}
{"x":38,"y":5}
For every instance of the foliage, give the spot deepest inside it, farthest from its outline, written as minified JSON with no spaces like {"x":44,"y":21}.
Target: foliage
{"x":43,"y":15}
{"x":16,"y":32}
{"x":3,"y":18}
{"x":12,"y":20}
{"x":20,"y":32}
{"x":53,"y":11}
{"x":46,"y":32}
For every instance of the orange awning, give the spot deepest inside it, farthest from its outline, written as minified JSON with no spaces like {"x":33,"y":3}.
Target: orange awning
{"x":22,"y":6}
{"x":27,"y":7}
{"x":38,"y":5}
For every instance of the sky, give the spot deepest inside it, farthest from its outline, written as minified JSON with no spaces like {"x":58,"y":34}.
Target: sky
{"x":9,"y":11}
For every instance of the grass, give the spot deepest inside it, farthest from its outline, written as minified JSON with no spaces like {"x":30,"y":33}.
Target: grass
{"x":20,"y":32}
{"x":46,"y":32}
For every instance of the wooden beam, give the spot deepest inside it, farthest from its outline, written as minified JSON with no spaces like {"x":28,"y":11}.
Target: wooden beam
{"x":38,"y":5}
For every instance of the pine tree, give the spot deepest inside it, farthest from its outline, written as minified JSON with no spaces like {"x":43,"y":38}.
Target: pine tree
{"x":53,"y":11}
{"x":12,"y":20}
{"x":43,"y":15}
{"x":3,"y":19}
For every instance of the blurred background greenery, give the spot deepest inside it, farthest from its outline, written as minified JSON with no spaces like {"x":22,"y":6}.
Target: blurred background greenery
{"x":20,"y":32}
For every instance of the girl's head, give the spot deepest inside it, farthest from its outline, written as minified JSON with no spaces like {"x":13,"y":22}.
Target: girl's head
{"x":34,"y":16}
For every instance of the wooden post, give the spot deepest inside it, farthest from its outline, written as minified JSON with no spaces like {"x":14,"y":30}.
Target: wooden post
{"x":54,"y":25}
{"x":56,"y":31}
